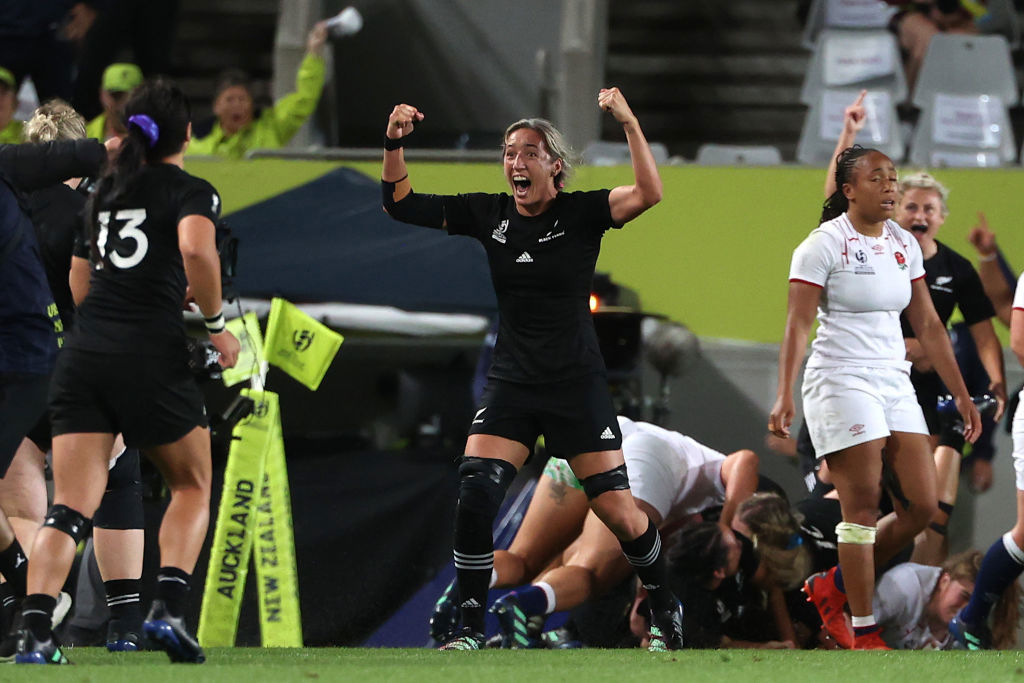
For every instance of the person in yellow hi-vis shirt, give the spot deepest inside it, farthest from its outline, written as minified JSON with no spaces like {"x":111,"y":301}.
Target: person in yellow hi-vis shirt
{"x":118,"y":81}
{"x":238,"y":127}
{"x":10,"y":129}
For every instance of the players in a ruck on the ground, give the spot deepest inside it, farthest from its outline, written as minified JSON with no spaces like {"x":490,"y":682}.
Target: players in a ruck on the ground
{"x":547,"y":376}
{"x":570,"y":556}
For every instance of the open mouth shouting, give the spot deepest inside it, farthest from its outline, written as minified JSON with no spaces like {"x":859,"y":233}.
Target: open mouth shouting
{"x":521,"y":184}
{"x":919,"y":228}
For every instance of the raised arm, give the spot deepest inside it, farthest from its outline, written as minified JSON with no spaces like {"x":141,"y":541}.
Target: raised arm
{"x":802,"y":305}
{"x":33,"y":166}
{"x":854,"y":117}
{"x":292,"y":110}
{"x":991,"y":270}
{"x":629,"y":201}
{"x":400,"y":202}
{"x":400,"y":124}
{"x":935,"y":341}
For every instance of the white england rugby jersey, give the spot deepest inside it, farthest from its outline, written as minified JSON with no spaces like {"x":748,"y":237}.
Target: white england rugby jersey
{"x":671,"y":472}
{"x":1018,"y":296}
{"x":901,"y":598}
{"x":865,"y":284}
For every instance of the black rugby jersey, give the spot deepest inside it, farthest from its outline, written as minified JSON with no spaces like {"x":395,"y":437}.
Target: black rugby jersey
{"x":137,"y":287}
{"x":56,"y":213}
{"x":952,"y":282}
{"x":542,"y":268}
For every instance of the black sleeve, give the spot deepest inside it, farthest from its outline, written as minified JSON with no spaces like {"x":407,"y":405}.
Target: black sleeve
{"x":974,"y":305}
{"x":34,"y":166}
{"x":464,"y":214}
{"x":597,"y":210}
{"x":80,"y":246}
{"x":199,"y":199}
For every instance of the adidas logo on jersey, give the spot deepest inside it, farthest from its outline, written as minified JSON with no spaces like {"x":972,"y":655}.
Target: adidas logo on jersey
{"x":525,"y":258}
{"x":607,"y":433}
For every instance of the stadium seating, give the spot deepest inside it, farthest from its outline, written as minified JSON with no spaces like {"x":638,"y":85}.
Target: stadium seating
{"x":966,"y":87}
{"x":602,"y":153}
{"x":965,"y":65}
{"x":844,"y":14}
{"x":738,"y":155}
{"x":1002,"y":19}
{"x":863,"y":59}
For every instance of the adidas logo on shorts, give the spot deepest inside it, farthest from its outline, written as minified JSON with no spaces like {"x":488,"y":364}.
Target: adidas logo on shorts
{"x":470,"y":603}
{"x":607,"y":433}
{"x":525,"y":258}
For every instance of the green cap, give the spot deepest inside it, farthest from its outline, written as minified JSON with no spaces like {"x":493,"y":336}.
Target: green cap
{"x":121,"y":77}
{"x":7,"y":78}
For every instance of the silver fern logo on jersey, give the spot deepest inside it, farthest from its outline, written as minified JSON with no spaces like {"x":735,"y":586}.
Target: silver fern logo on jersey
{"x":499,"y":232}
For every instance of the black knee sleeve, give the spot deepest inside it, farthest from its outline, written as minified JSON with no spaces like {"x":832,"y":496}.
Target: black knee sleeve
{"x":121,"y":507}
{"x":71,"y":522}
{"x":483,"y":482}
{"x":612,"y":480}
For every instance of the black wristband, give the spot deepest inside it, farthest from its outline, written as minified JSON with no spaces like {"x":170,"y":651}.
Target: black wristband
{"x":391,"y":144}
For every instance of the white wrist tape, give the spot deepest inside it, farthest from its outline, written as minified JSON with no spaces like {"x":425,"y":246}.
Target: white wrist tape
{"x":215,"y":324}
{"x":858,"y":534}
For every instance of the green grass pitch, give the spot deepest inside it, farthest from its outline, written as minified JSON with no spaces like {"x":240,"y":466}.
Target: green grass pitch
{"x":252,"y":665}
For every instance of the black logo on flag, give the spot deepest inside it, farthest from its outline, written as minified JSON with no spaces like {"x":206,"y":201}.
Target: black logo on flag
{"x":302,"y":339}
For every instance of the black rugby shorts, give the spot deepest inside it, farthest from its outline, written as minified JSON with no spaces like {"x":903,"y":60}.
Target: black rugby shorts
{"x":575,"y":416}
{"x":151,"y":400}
{"x":22,"y":402}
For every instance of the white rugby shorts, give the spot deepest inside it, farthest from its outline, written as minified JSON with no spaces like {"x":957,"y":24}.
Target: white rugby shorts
{"x":846,"y":406}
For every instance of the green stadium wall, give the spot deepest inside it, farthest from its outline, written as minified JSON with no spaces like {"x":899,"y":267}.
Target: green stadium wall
{"x":714,"y":254}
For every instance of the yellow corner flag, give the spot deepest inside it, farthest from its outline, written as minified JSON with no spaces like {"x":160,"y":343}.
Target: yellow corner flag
{"x":247,"y":330}
{"x":299,"y":345}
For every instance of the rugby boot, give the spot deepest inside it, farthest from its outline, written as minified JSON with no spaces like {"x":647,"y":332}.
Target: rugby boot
{"x":32,"y":650}
{"x":514,"y":624}
{"x":11,"y":632}
{"x":561,"y":638}
{"x":168,"y":633}
{"x":666,"y":629}
{"x":444,"y":620}
{"x":9,"y":644}
{"x":968,"y":636}
{"x":870,"y":641}
{"x":466,"y":639}
{"x":821,"y":590}
{"x":125,"y":635}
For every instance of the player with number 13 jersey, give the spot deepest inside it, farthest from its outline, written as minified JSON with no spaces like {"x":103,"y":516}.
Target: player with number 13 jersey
{"x":138,"y":279}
